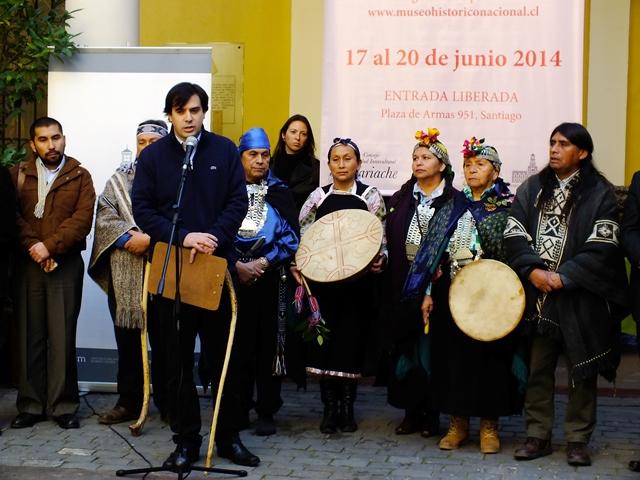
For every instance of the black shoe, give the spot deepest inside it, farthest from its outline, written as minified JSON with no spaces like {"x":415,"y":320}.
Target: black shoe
{"x":235,"y":451}
{"x":265,"y":425}
{"x":533,"y":448}
{"x":430,"y":424}
{"x":24,"y":420}
{"x":67,"y":420}
{"x":578,"y":454}
{"x":634,"y":465}
{"x":408,"y":425}
{"x":182,"y":458}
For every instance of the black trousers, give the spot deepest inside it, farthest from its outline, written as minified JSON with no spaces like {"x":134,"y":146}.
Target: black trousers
{"x":256,"y":342}
{"x":177,"y":336}
{"x":130,"y":378}
{"x":130,"y":374}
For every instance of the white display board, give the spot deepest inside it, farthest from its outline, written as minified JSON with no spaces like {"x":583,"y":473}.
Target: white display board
{"x":508,"y":71}
{"x":100,"y":96}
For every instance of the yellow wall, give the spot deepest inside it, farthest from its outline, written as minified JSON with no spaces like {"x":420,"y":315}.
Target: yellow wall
{"x":633,"y":94}
{"x":608,"y":54}
{"x":263,"y":26}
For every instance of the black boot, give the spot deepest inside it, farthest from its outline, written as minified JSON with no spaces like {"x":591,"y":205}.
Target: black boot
{"x":349,"y":391}
{"x":230,"y":446}
{"x":329,"y":397}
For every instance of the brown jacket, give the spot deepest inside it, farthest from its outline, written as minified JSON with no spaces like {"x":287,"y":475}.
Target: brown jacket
{"x":68,"y":211}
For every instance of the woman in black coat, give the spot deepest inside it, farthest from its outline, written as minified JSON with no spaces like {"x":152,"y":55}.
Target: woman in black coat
{"x":410,"y":210}
{"x":631,"y":246}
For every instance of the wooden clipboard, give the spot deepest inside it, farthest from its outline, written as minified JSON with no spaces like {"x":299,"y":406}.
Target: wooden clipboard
{"x":200,"y":282}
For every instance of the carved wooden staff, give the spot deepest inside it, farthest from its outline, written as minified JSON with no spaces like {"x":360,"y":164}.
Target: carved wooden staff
{"x":232,"y":329}
{"x":136,"y":428}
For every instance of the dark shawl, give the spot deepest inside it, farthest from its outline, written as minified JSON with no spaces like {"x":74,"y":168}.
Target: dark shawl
{"x":490,"y":213}
{"x":586,"y":314}
{"x":401,"y":208}
{"x":280,"y":198}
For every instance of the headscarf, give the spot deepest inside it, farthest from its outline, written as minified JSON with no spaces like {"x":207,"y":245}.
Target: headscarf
{"x":254,"y":138}
{"x":153,"y":128}
{"x":429,"y":140}
{"x":344,"y":141}
{"x":476,"y":148}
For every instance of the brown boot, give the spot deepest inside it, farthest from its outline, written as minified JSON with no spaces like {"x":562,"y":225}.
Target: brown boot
{"x":489,"y":439}
{"x":457,"y":434}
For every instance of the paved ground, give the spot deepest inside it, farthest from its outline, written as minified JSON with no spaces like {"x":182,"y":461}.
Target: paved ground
{"x":300,"y":451}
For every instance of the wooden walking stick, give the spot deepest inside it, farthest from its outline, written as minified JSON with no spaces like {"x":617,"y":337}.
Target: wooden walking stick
{"x":232,"y":328}
{"x":136,"y":428}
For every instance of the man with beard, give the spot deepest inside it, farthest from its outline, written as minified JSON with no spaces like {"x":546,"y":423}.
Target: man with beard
{"x":55,"y":213}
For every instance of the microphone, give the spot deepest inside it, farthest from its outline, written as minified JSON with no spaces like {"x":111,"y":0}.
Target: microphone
{"x":190,"y":143}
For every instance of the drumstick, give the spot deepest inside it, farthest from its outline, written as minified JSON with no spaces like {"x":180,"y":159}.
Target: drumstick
{"x":306,"y":285}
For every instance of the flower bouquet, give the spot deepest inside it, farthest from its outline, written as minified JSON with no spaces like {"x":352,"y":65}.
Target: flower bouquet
{"x":314,"y":325}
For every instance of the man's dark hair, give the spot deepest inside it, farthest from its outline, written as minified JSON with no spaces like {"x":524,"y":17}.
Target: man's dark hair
{"x":180,"y":94}
{"x":579,"y":136}
{"x":43,"y":122}
{"x":309,"y":147}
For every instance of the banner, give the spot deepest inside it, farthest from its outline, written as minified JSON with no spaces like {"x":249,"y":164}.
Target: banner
{"x":504,"y":70}
{"x":100,"y":96}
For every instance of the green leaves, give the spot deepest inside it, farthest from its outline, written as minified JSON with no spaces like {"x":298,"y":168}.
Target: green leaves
{"x":29,"y":35}
{"x":12,"y":155}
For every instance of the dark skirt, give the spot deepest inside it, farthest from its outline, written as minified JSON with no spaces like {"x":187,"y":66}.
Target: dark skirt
{"x":347,"y":308}
{"x":409,"y":382}
{"x":470,"y":378}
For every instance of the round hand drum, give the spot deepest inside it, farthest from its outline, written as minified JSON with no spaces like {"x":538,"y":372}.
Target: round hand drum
{"x":339,"y":245}
{"x":486,"y":300}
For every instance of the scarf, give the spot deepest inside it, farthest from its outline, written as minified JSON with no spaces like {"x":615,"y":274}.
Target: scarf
{"x":43,"y":187}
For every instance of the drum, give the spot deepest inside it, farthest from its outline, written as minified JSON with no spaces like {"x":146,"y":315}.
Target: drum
{"x":339,"y":245}
{"x":487,"y":300}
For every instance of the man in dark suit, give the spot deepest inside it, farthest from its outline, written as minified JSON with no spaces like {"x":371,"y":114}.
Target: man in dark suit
{"x":213,"y":206}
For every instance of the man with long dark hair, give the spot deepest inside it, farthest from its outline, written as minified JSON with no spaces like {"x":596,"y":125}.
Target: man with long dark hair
{"x":562,"y":238}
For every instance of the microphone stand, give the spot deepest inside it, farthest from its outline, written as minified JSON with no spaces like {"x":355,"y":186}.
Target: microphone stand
{"x":182,"y":464}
